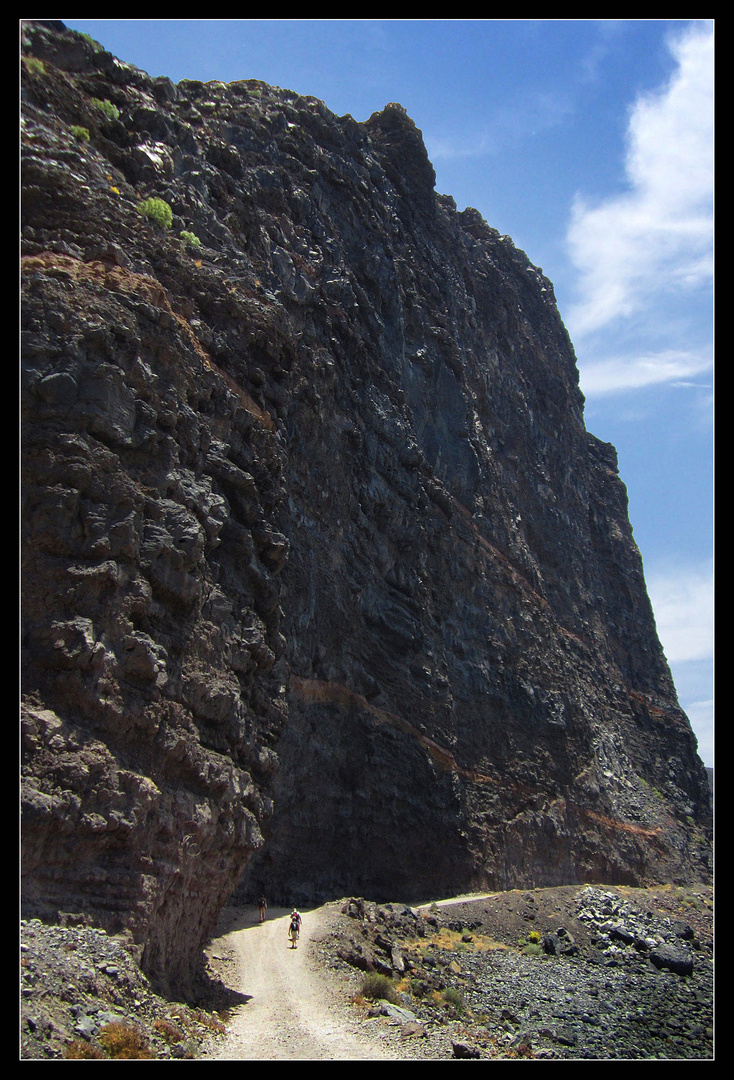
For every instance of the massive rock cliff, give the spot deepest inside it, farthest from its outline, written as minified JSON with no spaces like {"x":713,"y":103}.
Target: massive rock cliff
{"x":316,"y":545}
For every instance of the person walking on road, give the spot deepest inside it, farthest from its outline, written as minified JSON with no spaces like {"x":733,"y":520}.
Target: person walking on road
{"x":263,"y":907}
{"x":294,"y":928}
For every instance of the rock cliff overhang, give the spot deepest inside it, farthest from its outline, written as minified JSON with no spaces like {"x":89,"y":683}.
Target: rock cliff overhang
{"x":303,"y":450}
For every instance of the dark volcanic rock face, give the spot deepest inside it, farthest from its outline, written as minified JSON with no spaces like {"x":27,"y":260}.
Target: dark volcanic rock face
{"x":322,"y":469}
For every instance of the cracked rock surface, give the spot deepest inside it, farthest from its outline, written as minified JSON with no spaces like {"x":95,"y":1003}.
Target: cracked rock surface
{"x":327,"y":589}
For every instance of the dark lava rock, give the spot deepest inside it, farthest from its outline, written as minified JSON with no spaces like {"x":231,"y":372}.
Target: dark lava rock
{"x":303,"y":451}
{"x":672,"y":958}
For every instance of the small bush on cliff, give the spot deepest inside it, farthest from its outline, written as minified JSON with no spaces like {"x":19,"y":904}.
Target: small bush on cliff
{"x":157,"y":211}
{"x":34,"y":66}
{"x":110,"y":111}
{"x":90,"y":41}
{"x":190,"y":239}
{"x":80,"y":133}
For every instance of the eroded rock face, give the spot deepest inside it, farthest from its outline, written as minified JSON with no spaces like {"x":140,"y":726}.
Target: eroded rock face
{"x":324,"y":471}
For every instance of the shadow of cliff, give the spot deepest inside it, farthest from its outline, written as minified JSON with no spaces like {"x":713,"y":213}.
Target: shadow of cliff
{"x":209,"y":991}
{"x":244,"y":916}
{"x":212,"y":995}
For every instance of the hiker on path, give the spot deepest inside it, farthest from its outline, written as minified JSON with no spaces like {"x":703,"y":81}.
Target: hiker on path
{"x":263,"y":906}
{"x":294,"y":927}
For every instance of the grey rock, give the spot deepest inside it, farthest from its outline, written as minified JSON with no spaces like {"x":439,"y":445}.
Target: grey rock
{"x":464,"y":1050}
{"x":672,"y":958}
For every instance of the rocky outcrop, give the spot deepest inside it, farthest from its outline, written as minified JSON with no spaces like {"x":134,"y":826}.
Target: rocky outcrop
{"x":303,"y":451}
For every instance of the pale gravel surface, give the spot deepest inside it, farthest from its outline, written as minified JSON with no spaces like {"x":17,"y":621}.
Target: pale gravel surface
{"x":294,"y":1012}
{"x":606,"y":1001}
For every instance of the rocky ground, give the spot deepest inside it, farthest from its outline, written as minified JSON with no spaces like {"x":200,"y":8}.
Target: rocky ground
{"x":571,"y":973}
{"x":579,"y":972}
{"x":84,"y":996}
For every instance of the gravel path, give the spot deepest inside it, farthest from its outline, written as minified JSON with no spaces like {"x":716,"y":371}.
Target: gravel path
{"x":619,"y":973}
{"x":609,"y":985}
{"x":290,"y":1014}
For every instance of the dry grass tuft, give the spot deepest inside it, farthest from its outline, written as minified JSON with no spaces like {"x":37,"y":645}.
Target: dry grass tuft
{"x":122,"y":1042}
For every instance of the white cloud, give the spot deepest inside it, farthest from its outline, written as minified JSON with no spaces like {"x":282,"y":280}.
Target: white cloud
{"x":682,"y":599}
{"x":454,"y":148}
{"x":655,"y":238}
{"x":628,"y":373}
{"x":701,"y":716}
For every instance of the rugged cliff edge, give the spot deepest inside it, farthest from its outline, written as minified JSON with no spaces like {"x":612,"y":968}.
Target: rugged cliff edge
{"x":306,"y":477}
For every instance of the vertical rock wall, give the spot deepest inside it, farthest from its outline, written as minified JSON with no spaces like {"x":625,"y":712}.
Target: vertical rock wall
{"x":306,"y":477}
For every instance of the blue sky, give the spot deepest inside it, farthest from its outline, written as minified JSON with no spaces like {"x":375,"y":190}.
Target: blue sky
{"x":590,"y":143}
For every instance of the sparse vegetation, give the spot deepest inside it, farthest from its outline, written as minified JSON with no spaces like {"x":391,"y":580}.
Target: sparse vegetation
{"x":190,"y":239}
{"x":445,"y":938}
{"x":110,"y":111}
{"x":158,"y":211}
{"x":90,"y":41}
{"x":530,"y":945}
{"x":378,"y":987}
{"x":454,"y":998}
{"x":80,"y":133}
{"x":211,"y":1021}
{"x":34,"y":66}
{"x":168,"y":1031}
{"x":80,"y":1049}
{"x":123,"y":1042}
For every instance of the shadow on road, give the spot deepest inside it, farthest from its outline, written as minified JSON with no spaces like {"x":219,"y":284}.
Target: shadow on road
{"x":244,"y":917}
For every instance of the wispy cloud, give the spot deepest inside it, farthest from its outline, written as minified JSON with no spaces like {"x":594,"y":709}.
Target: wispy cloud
{"x":701,"y":716}
{"x":531,"y":112}
{"x":452,"y":148}
{"x":611,"y":375}
{"x":655,"y":239}
{"x":682,"y":598}
{"x":607,"y":30}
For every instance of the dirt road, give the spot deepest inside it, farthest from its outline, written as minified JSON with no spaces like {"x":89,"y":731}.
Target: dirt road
{"x":289,"y":1014}
{"x":296,"y":1004}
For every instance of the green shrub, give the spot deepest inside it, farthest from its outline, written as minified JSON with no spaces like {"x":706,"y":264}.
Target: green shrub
{"x":80,"y":133}
{"x":190,"y":239}
{"x":110,"y":111}
{"x":454,"y":998}
{"x":90,"y":41}
{"x":375,"y":987}
{"x":34,"y":66}
{"x":157,"y":211}
{"x":530,"y":945}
